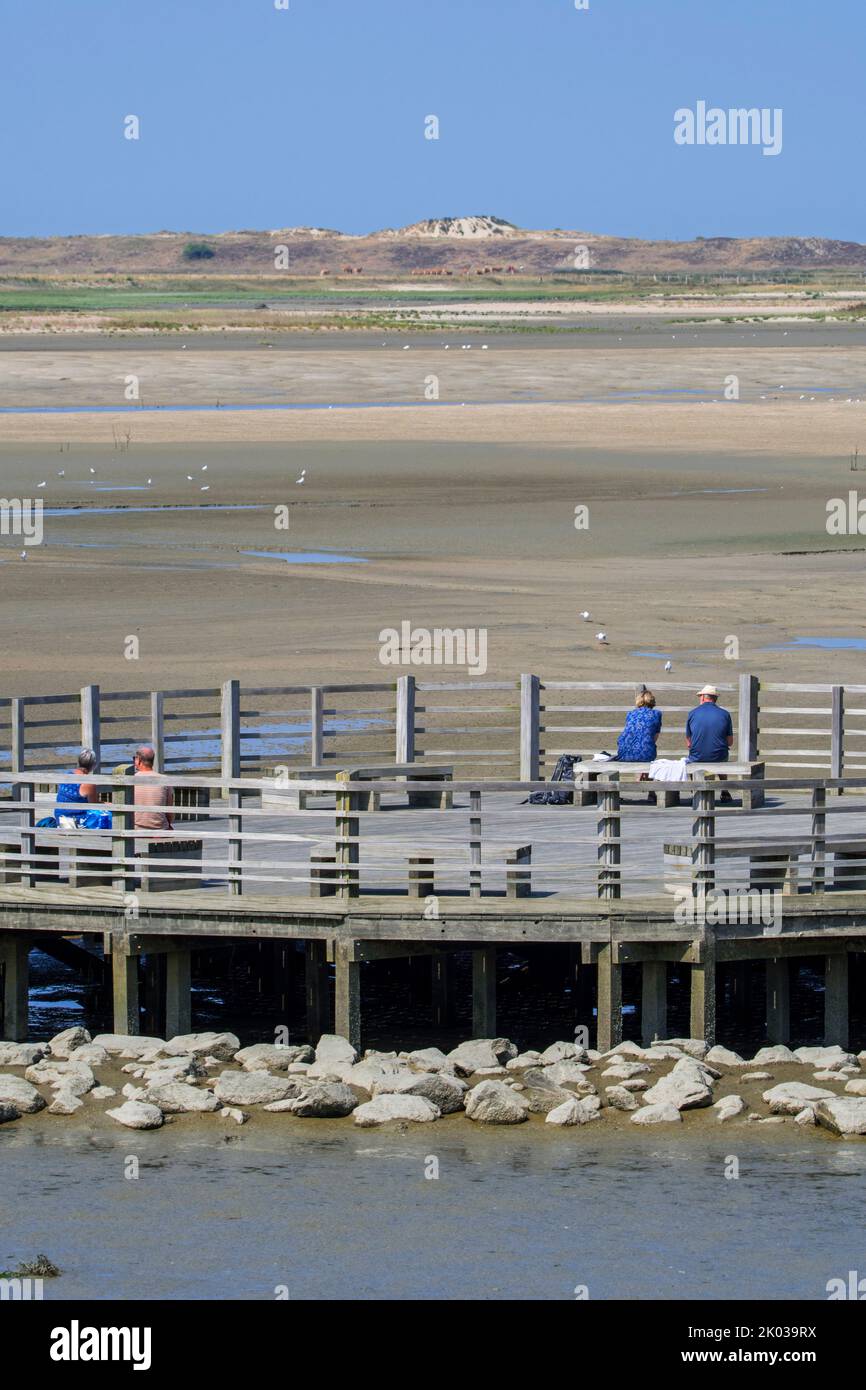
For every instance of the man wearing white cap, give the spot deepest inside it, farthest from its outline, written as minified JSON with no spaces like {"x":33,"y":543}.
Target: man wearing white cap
{"x":709,"y":730}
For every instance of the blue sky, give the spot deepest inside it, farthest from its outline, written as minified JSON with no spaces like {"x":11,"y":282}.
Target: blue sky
{"x":253,"y":117}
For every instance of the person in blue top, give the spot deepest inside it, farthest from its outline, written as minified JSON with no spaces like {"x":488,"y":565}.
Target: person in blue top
{"x":79,"y":792}
{"x":709,"y":732}
{"x":637,"y":742}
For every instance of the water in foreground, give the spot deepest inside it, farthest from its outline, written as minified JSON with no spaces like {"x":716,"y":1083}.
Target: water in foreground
{"x":524,"y":1214}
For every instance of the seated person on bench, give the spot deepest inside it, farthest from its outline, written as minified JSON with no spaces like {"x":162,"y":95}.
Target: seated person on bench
{"x":637,"y":742}
{"x":79,"y":792}
{"x":709,"y":732}
{"x":151,"y":793}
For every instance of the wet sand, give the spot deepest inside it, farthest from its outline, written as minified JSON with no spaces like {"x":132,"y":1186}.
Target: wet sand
{"x":706,"y":519}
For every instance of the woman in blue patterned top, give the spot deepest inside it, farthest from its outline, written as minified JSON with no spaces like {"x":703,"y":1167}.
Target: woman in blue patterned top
{"x":637,"y":742}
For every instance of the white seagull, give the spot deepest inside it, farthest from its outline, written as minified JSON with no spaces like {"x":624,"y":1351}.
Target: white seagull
{"x":601,"y":637}
{"x":62,"y":473}
{"x":24,"y":555}
{"x":42,"y":484}
{"x":302,"y":477}
{"x":669,"y":665}
{"x":586,"y":616}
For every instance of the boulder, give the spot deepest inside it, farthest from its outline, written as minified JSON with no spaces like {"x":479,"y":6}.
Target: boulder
{"x":176,"y":1098}
{"x":365,"y":1075}
{"x":777,"y":1053}
{"x":429,"y":1059}
{"x":693,"y":1047}
{"x":443,"y":1091}
{"x":272,"y":1056}
{"x":91,"y":1054}
{"x":325,"y":1102}
{"x":729,"y":1107}
{"x":20,"y":1093}
{"x":806,"y":1117}
{"x":523,"y":1059}
{"x":624,"y":1071}
{"x":567,"y":1074}
{"x":684,"y":1091}
{"x":574,"y":1112}
{"x":253,"y":1088}
{"x":563,"y":1052}
{"x":132,"y":1092}
{"x":494,"y":1103}
{"x":757,"y":1076}
{"x":790,"y":1097}
{"x":395,"y":1107}
{"x":624,"y":1049}
{"x":636,"y":1084}
{"x":619,"y":1098}
{"x":661,"y":1052}
{"x":724,"y":1057}
{"x":240,"y":1117}
{"x":824,"y":1057}
{"x":128,"y":1044}
{"x":8,"y":1112}
{"x":63,"y":1043}
{"x":65,"y":1103}
{"x":481,"y":1053}
{"x":21,"y":1054}
{"x":842,"y":1115}
{"x":136,"y":1115}
{"x":856,"y":1087}
{"x":660,"y":1114}
{"x":223,"y":1046}
{"x":102,"y":1093}
{"x":76,"y":1077}
{"x":335,"y":1051}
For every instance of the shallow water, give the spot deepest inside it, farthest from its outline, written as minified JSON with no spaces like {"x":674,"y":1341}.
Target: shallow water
{"x":332,"y":1211}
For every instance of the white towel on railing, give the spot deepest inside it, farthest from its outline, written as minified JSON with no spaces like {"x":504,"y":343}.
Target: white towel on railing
{"x":669,"y":770}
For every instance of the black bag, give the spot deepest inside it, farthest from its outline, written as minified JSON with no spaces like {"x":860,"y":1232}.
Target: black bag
{"x":563,"y":772}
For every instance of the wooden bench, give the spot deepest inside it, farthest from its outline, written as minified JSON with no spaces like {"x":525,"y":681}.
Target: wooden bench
{"x":294,"y":798}
{"x":325,"y":872}
{"x":773,"y":863}
{"x":585,"y":774}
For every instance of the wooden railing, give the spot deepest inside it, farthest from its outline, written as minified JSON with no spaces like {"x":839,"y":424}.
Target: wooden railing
{"x":485,"y":729}
{"x":807,"y":841}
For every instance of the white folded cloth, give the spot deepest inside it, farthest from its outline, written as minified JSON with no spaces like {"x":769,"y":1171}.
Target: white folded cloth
{"x":669,"y":770}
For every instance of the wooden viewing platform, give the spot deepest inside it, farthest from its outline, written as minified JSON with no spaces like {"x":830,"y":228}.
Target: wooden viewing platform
{"x":357,"y":885}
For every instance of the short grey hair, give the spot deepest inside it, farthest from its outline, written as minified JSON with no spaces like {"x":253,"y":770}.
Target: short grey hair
{"x":87,"y":760}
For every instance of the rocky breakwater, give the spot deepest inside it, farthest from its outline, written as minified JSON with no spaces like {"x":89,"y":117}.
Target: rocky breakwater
{"x":144,"y":1082}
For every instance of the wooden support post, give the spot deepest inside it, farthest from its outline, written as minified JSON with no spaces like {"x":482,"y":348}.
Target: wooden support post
{"x":484,"y":992}
{"x":15,"y":956}
{"x":440,"y":989}
{"x":778,"y":1000}
{"x":837,"y":732}
{"x":348,"y":829}
{"x":235,"y":844}
{"x":91,"y":736}
{"x":609,"y":1002}
{"x":18,"y":736}
{"x":530,"y":727}
{"x":747,"y":719}
{"x":316,"y":972}
{"x":317,"y":726}
{"x":124,"y":975}
{"x":475,"y":844}
{"x":583,"y":986}
{"x":703,"y":846}
{"x":347,"y":994}
{"x":421,"y":868}
{"x":518,"y":874}
{"x":836,"y":1000}
{"x":178,"y":997}
{"x":230,"y":730}
{"x":703,"y":997}
{"x":157,"y":728}
{"x":121,"y":847}
{"x":654,"y":1001}
{"x":609,"y":831}
{"x":153,"y":978}
{"x":26,"y":794}
{"x":405,"y":720}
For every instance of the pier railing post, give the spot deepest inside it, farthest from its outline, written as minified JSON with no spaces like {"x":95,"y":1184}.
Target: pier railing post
{"x":90,"y":731}
{"x":530,"y":727}
{"x":235,"y":842}
{"x":703,"y":843}
{"x":26,"y":793}
{"x":609,"y":831}
{"x":837,"y":733}
{"x":475,"y":844}
{"x":317,"y":726}
{"x":405,"y":720}
{"x":230,"y":730}
{"x":121,"y":847}
{"x":747,"y":719}
{"x":157,"y":728}
{"x":18,"y":737}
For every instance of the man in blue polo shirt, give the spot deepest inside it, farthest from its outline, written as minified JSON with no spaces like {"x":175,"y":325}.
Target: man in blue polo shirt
{"x":709,"y":732}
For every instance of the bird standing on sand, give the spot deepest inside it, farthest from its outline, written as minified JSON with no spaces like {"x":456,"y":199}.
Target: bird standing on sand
{"x":586,"y":616}
{"x":669,"y":665}
{"x":302,"y":477}
{"x":24,"y":555}
{"x":601,"y":638}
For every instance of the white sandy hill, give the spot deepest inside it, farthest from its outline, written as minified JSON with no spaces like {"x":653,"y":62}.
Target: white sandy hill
{"x":466,"y":228}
